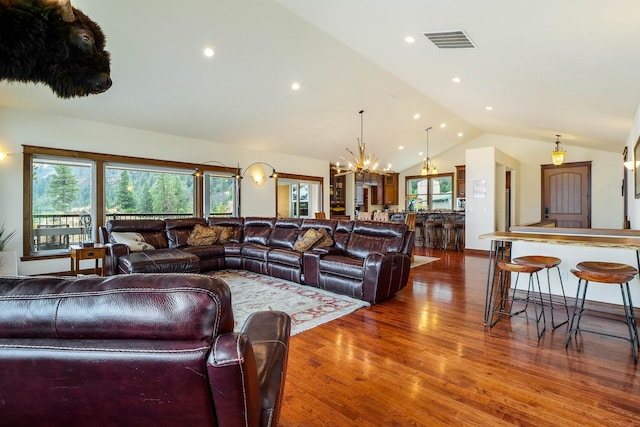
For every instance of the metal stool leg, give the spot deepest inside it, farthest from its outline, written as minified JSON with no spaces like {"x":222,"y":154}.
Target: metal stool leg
{"x":576,"y":312}
{"x":630,"y":319}
{"x":564,"y":297}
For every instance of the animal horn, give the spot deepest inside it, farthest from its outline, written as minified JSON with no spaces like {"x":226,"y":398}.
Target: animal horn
{"x":66,"y":10}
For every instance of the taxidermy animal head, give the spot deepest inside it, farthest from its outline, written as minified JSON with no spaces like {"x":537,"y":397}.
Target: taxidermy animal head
{"x":50,"y":42}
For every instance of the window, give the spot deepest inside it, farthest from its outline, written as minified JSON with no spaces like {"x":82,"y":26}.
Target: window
{"x":429,"y":192}
{"x":62,"y":203}
{"x":136,"y":191}
{"x":299,"y":198}
{"x":220,"y":195}
{"x":69,"y":194}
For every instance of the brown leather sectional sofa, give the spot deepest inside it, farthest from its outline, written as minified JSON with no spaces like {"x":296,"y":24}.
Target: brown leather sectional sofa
{"x":136,"y":350}
{"x":368,"y":260}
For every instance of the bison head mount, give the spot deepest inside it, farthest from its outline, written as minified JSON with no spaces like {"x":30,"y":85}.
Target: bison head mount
{"x":51,"y":42}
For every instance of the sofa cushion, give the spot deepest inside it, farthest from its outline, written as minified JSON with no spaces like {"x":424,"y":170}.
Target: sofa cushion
{"x":151,"y":229}
{"x":257,"y":230}
{"x":159,"y":261}
{"x":252,"y":251}
{"x":340,"y":265}
{"x":285,"y":256}
{"x":178,"y":230}
{"x":205,"y":252}
{"x":370,"y":237}
{"x":285,"y":233}
{"x":202,"y":235}
{"x":307,"y":240}
{"x":135,"y":241}
{"x":234,"y":226}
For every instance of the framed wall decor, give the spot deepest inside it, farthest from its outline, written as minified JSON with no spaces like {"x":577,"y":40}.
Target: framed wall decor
{"x":636,"y":171}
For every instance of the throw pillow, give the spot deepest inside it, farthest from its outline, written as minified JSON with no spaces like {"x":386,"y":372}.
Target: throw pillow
{"x":226,"y":233}
{"x":307,"y":240}
{"x":135,"y":241}
{"x":325,"y":240}
{"x":203,"y":235}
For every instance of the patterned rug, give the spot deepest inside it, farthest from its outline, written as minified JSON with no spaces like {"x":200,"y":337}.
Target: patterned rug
{"x":419,"y":260}
{"x":307,"y":306}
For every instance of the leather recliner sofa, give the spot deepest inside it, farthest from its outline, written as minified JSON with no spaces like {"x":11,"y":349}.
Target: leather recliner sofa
{"x":136,"y":350}
{"x":368,"y":260}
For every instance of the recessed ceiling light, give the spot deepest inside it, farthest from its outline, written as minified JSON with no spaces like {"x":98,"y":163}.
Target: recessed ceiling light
{"x":489,"y":108}
{"x":456,"y":80}
{"x":443,"y":125}
{"x":460,"y":134}
{"x":410,"y":39}
{"x":295,"y":86}
{"x":416,"y":116}
{"x":420,"y":154}
{"x":208,"y":52}
{"x":401,"y":147}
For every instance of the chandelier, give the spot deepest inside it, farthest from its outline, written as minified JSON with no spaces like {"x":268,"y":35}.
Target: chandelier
{"x":557,"y":155}
{"x":427,"y":166}
{"x":362,"y":162}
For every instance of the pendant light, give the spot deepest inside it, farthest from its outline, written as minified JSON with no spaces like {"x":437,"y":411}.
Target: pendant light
{"x":427,"y":166}
{"x":557,"y":155}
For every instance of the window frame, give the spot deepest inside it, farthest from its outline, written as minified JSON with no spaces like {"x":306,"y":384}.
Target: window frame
{"x":100,"y":162}
{"x":429,"y":194}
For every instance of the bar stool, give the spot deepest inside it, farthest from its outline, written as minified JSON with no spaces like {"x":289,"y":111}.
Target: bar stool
{"x":549,"y":262}
{"x":606,"y":273}
{"x":504,"y":304}
{"x":431,"y":233}
{"x":449,"y":228}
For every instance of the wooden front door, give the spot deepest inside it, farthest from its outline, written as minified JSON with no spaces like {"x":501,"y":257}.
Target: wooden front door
{"x":566,"y":194}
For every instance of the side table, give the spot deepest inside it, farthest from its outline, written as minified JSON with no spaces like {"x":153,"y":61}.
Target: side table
{"x":79,"y":253}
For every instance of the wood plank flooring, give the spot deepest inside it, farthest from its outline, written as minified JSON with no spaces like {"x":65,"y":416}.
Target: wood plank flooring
{"x":425,"y":358}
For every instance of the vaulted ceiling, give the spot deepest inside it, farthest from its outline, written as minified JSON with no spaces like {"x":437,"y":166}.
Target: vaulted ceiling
{"x":546,"y":67}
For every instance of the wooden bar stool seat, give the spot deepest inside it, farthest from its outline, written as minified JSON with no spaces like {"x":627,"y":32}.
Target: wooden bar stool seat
{"x":607,"y":267}
{"x":505,"y":302}
{"x":611,"y":274}
{"x":549,"y":262}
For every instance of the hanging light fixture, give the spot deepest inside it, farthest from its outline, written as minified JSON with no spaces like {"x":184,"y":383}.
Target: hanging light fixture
{"x":427,"y":166}
{"x":362,"y":162}
{"x":557,"y":155}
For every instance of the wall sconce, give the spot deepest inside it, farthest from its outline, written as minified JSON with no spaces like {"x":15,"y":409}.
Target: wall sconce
{"x":557,"y":155}
{"x":257,"y":173}
{"x":3,"y":156}
{"x":629,"y":164}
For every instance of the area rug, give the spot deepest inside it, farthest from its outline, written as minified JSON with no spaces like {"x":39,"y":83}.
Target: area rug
{"x":419,"y":260}
{"x":307,"y":306}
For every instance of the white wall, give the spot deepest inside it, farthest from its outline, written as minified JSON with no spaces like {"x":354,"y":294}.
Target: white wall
{"x":607,"y":173}
{"x":634,"y":204}
{"x":28,"y":128}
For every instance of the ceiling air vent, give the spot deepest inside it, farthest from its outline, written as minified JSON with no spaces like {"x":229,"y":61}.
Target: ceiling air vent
{"x":450,"y":40}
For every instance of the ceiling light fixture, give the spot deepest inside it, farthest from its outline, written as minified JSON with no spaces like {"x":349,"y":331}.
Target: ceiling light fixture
{"x":427,"y":166}
{"x":295,"y":86}
{"x":557,"y":155}
{"x":456,"y":80}
{"x":208,"y":52}
{"x":410,"y":39}
{"x":416,"y":116}
{"x":362,"y":162}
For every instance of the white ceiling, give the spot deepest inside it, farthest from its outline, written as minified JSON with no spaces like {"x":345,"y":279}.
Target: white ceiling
{"x":546,"y":67}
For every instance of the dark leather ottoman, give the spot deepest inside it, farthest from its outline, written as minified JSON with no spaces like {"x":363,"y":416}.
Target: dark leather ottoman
{"x":159,"y":261}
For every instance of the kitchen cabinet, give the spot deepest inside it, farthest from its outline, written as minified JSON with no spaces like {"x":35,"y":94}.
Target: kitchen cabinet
{"x":461,"y":181}
{"x":391,"y":189}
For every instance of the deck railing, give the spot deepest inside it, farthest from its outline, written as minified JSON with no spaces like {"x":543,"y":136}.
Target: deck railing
{"x":53,"y":232}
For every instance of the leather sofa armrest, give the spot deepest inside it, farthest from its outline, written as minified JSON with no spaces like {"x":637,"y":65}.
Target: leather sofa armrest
{"x":233,"y":379}
{"x":113,"y":251}
{"x":247,"y":371}
{"x":269,"y":333}
{"x":384,"y":275}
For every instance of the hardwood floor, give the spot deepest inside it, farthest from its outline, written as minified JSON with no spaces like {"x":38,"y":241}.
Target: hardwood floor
{"x":425,"y":358}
